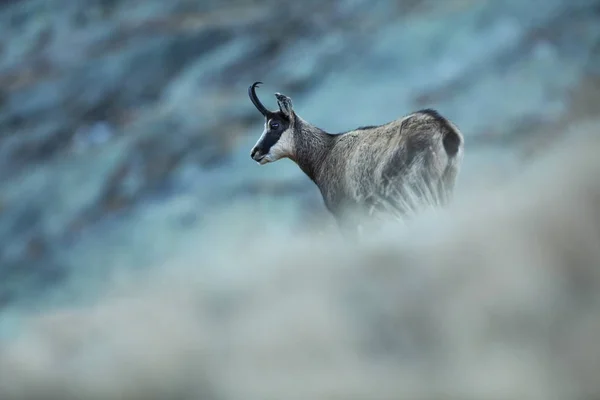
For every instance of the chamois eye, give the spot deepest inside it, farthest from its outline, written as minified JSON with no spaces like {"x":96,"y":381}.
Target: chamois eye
{"x":274,"y":125}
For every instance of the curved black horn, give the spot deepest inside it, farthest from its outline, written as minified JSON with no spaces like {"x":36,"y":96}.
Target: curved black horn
{"x":252,"y":93}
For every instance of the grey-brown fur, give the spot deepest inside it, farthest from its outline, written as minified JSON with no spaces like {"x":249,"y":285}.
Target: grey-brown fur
{"x":391,"y":168}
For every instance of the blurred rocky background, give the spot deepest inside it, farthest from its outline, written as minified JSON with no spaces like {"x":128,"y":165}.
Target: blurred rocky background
{"x":125,"y":124}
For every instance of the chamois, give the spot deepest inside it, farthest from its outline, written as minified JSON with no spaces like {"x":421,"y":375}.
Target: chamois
{"x":387,"y":169}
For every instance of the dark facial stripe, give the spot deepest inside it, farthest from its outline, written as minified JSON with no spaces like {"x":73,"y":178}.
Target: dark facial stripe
{"x":273,"y":135}
{"x":270,"y":139}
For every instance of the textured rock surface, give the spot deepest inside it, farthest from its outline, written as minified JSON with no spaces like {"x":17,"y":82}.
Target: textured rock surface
{"x":125,"y":124}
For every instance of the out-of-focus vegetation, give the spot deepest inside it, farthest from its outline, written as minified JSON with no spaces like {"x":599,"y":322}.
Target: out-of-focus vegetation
{"x":125,"y":132}
{"x":495,"y":297}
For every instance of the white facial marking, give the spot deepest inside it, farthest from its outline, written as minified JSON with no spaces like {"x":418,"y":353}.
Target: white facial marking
{"x":283,"y":148}
{"x":262,"y":136}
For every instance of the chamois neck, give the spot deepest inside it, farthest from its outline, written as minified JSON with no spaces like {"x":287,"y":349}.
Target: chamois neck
{"x":311,"y":146}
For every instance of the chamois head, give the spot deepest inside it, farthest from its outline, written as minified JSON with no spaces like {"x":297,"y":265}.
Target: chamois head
{"x":276,"y":140}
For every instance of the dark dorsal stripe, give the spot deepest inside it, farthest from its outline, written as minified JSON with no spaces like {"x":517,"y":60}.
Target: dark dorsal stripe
{"x":452,"y":140}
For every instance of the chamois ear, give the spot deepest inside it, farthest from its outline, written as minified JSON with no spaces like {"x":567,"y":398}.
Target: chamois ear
{"x":285,"y":105}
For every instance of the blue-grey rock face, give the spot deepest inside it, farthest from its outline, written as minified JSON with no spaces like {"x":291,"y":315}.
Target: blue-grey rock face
{"x":125,"y":124}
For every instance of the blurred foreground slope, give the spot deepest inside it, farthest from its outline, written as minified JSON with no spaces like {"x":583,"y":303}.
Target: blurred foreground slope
{"x":497,"y":297}
{"x":124,"y":125}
